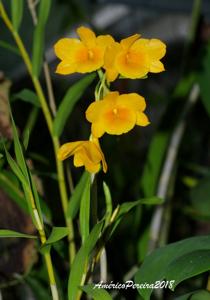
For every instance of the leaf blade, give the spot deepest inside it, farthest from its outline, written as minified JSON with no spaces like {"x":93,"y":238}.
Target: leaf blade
{"x":5,"y":233}
{"x":73,"y":94}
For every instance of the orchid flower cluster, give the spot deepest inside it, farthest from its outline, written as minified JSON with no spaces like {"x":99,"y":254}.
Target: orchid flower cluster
{"x":112,"y":113}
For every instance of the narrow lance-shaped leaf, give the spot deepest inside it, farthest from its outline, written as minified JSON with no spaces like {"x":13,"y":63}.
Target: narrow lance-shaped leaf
{"x":36,"y":197}
{"x":56,"y":235}
{"x":12,"y":190}
{"x":124,"y":208}
{"x":15,"y":168}
{"x":5,"y":233}
{"x":80,"y":262}
{"x":39,"y":35}
{"x":108,"y":199}
{"x":75,"y":199}
{"x":84,"y":216}
{"x":17,"y":13}
{"x":153,"y":164}
{"x":9,"y":47}
{"x":19,"y":151}
{"x":203,"y":80}
{"x":27,"y":95}
{"x":73,"y":94}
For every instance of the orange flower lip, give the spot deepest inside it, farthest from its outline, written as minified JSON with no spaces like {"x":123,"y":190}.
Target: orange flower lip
{"x":116,"y":114}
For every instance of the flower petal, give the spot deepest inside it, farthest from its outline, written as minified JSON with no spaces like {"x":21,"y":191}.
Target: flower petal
{"x":109,"y":61}
{"x":126,"y":43}
{"x":97,"y":129}
{"x":136,"y":65}
{"x":141,"y":119}
{"x":89,"y":60}
{"x":64,"y":47}
{"x":123,"y":122}
{"x":97,"y":108}
{"x":65,"y":67}
{"x":156,"y":66}
{"x":68,"y":149}
{"x":87,"y":36}
{"x":156,"y":48}
{"x":104,"y":40}
{"x":133,"y":101}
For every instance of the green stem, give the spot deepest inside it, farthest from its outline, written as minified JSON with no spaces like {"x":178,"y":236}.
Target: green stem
{"x":49,"y":121}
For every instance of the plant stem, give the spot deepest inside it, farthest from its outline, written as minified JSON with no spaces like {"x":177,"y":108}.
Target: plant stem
{"x":47,"y":257}
{"x":49,"y":121}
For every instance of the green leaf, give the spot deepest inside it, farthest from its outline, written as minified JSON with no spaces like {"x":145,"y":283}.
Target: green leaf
{"x":201,"y":295}
{"x":153,"y":164}
{"x":74,"y":202}
{"x":38,"y":50}
{"x":17,"y":13}
{"x":4,"y":233}
{"x":187,"y":266}
{"x":201,"y":191}
{"x":15,"y":168}
{"x":160,"y":264}
{"x":203,"y":79}
{"x":36,"y":196}
{"x":184,"y":85}
{"x":96,"y":293}
{"x":18,"y":151}
{"x":123,"y":209}
{"x":9,"y":47}
{"x":44,"y":10}
{"x":57,"y":234}
{"x":196,"y":295}
{"x":26,"y":138}
{"x":38,"y":289}
{"x":27,"y":95}
{"x":73,"y":94}
{"x":1,"y":156}
{"x":80,"y":262}
{"x":39,"y":35}
{"x":127,"y":206}
{"x":11,"y":189}
{"x":108,"y":199}
{"x":84,"y":216}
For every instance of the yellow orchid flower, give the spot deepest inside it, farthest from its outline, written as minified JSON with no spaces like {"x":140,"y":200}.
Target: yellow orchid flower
{"x":84,"y":55}
{"x":116,"y":114}
{"x":86,"y":153}
{"x":134,"y":57}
